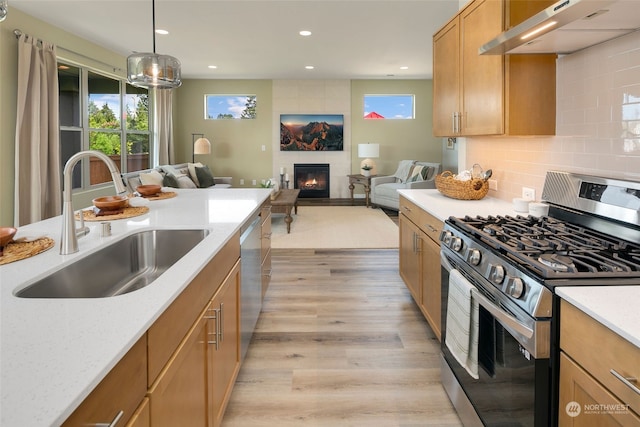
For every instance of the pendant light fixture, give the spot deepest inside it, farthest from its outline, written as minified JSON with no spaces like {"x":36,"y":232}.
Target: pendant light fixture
{"x":152,"y":70}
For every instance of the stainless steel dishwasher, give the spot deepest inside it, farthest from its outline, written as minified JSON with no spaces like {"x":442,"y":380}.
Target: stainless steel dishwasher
{"x":250,"y":281}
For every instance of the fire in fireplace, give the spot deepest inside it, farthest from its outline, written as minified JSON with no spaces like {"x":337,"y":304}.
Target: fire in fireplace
{"x":312,"y":179}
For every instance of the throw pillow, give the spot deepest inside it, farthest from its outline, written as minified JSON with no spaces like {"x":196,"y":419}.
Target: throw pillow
{"x":403,"y":171}
{"x":192,"y":172}
{"x":151,"y":178}
{"x":185,"y":182}
{"x":170,"y":181}
{"x":416,"y":174}
{"x":205,"y":177}
{"x":170,"y":170}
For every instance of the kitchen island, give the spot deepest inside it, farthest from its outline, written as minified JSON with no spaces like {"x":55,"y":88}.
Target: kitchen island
{"x":55,"y":351}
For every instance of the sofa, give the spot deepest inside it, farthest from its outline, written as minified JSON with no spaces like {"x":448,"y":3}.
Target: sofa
{"x":411,"y":174}
{"x":183,"y":175}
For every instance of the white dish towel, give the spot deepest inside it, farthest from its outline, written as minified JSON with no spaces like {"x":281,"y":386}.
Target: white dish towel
{"x":462,"y":323}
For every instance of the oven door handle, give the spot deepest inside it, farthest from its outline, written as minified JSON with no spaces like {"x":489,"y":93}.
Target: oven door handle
{"x":504,"y":318}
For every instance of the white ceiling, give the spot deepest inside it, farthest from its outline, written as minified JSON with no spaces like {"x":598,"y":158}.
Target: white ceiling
{"x":258,"y":39}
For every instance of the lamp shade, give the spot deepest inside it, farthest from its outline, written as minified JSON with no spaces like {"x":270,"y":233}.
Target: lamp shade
{"x":202,"y":146}
{"x":151,"y":70}
{"x":369,"y":151}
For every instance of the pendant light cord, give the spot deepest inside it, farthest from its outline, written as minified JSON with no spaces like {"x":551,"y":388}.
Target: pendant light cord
{"x":153,"y":21}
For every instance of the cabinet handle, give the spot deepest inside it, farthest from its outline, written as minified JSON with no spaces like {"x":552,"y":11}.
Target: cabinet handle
{"x":267,"y":273}
{"x":267,"y":235}
{"x":626,"y":381}
{"x":215,"y":317}
{"x":112,"y":423}
{"x":406,"y":208}
{"x":417,"y":244}
{"x":454,"y":122}
{"x":221,"y":329}
{"x":431,"y":228}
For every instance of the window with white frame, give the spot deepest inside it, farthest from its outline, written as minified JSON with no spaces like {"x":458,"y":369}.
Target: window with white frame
{"x":389,"y":106}
{"x":220,"y":107}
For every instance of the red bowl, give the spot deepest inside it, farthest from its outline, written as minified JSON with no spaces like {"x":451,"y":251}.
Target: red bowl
{"x":111,"y":203}
{"x":148,"y":190}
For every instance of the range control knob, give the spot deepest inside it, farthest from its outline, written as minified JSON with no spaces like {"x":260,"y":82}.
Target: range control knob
{"x":475,"y":256}
{"x":446,"y":237}
{"x":496,"y":274}
{"x":456,"y":244}
{"x":515,"y":287}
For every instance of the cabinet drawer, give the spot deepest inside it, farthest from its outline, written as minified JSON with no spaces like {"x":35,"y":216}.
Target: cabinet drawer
{"x":424,"y":220}
{"x":165,"y":334}
{"x":597,"y":406}
{"x":121,"y":390}
{"x":600,"y":352}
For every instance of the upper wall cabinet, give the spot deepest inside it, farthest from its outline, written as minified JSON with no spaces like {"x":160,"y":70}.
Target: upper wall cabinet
{"x":490,"y":94}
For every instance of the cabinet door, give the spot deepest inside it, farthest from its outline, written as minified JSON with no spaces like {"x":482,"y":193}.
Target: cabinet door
{"x":224,"y":344}
{"x":585,"y":402}
{"x":120,"y":392}
{"x":179,"y":395}
{"x":410,"y":247}
{"x":446,"y":78}
{"x":142,"y":416}
{"x":482,"y":75}
{"x":431,"y":283}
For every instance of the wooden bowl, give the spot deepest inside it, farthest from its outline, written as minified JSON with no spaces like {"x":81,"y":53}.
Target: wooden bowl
{"x":6,"y":235}
{"x":148,"y":190}
{"x":110,"y":203}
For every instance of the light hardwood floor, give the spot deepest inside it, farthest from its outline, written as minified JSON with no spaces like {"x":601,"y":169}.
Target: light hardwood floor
{"x":339,"y":343}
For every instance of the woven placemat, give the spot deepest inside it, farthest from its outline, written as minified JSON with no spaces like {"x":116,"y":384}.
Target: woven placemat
{"x":129,"y":212}
{"x":162,"y":195}
{"x":15,"y":251}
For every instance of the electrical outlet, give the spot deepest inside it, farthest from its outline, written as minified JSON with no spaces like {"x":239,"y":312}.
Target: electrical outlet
{"x":528,"y":193}
{"x":254,"y":182}
{"x":264,"y":148}
{"x":241,"y":181}
{"x":493,"y":184}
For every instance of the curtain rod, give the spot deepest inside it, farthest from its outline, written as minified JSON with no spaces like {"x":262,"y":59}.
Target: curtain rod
{"x":18,"y":33}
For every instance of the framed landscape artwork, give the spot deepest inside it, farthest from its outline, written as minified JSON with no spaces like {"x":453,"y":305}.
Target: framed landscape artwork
{"x":311,"y":132}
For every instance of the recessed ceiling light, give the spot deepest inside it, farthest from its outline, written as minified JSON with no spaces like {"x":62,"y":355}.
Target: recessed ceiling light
{"x":213,"y":67}
{"x":162,"y":32}
{"x":305,"y":33}
{"x":404,"y":67}
{"x":309,"y":67}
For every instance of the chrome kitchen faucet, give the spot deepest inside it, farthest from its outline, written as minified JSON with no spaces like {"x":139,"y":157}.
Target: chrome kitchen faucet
{"x":69,"y":238}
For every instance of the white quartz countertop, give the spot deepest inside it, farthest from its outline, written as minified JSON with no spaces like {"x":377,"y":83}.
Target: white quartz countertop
{"x":442,"y":207}
{"x":616,"y":307}
{"x":53,"y":352}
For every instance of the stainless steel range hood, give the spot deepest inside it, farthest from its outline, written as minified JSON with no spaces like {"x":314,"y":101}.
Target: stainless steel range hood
{"x":568,"y":26}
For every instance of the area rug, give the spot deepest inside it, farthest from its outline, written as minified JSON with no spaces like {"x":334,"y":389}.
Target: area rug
{"x":340,"y":227}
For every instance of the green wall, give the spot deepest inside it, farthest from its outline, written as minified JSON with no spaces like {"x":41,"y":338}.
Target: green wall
{"x":398,"y":139}
{"x":236,"y":144}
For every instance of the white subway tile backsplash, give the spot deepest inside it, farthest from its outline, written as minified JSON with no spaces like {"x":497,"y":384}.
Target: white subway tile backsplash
{"x":597,"y":124}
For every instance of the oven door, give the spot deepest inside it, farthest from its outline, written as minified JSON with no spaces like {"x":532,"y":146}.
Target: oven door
{"x":513,"y":385}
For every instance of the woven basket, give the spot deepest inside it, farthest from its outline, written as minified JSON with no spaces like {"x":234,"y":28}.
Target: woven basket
{"x":474,"y":189}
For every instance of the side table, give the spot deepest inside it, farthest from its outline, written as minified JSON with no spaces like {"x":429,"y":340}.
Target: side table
{"x":365,"y":181}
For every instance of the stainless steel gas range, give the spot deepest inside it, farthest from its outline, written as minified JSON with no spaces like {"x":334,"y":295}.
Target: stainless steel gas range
{"x":510,"y":267}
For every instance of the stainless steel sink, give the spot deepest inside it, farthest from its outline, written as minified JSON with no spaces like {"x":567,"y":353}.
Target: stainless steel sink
{"x":122,"y":267}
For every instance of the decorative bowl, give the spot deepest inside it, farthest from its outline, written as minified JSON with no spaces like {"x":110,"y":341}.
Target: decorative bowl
{"x":6,"y":235}
{"x":148,"y":190}
{"x":110,"y":203}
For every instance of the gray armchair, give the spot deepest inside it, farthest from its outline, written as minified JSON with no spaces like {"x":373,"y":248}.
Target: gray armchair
{"x":410,"y":174}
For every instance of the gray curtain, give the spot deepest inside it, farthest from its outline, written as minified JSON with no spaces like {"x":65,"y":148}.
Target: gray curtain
{"x":163,"y":124}
{"x":38,"y":190}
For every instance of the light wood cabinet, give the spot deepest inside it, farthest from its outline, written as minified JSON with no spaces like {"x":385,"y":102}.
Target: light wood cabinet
{"x":121,"y":391}
{"x":179,"y":395}
{"x":223,"y":335}
{"x":265,"y":255}
{"x":142,"y":416}
{"x":420,"y":260}
{"x":490,"y":94}
{"x":585,"y":402}
{"x":598,"y":367}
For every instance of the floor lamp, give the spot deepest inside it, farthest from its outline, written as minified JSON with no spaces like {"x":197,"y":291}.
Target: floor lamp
{"x":201,"y":145}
